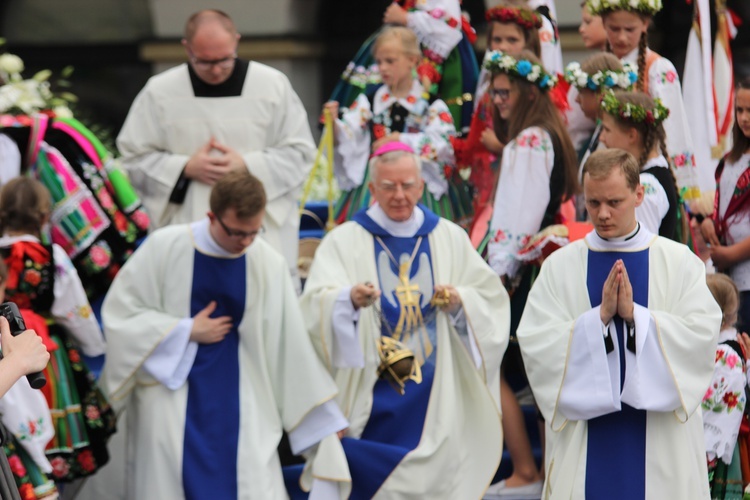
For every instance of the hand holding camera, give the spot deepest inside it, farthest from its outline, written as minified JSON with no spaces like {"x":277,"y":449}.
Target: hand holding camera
{"x":22,"y":348}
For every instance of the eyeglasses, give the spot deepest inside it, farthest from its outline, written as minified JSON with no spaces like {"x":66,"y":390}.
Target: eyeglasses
{"x":224,"y":63}
{"x":501,"y":94}
{"x":393,"y":187}
{"x":240,"y":235}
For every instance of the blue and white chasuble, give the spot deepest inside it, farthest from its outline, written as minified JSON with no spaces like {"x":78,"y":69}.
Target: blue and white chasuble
{"x":396,"y":421}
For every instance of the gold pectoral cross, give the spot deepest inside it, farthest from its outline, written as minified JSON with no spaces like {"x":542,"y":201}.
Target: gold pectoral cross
{"x":410,"y":320}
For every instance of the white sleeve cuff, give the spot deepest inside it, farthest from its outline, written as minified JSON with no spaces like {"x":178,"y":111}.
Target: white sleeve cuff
{"x":648,"y":380}
{"x":322,"y":489}
{"x":591,"y":386}
{"x":347,"y":352}
{"x":458,"y":320}
{"x":171,"y":361}
{"x":322,"y":421}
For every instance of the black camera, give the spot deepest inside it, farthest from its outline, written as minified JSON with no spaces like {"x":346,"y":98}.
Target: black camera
{"x":10,"y":311}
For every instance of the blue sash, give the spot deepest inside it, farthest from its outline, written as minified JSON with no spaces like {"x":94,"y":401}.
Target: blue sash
{"x":212,"y":420}
{"x":616,"y":447}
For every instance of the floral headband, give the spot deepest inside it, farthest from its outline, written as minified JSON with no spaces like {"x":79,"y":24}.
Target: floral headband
{"x":634,"y":113}
{"x":525,"y":18}
{"x":601,"y":80}
{"x":500,"y":62}
{"x":599,"y":7}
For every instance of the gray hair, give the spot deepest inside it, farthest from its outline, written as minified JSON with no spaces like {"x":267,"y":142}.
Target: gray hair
{"x":391,"y":157}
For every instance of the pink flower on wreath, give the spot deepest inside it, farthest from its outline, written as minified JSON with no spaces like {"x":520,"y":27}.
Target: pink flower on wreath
{"x":99,"y":256}
{"x":670,"y":76}
{"x":16,"y":466}
{"x":92,"y":412}
{"x":60,"y":467}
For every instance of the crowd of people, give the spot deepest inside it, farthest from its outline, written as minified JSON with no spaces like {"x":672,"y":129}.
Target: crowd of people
{"x":523,"y":225}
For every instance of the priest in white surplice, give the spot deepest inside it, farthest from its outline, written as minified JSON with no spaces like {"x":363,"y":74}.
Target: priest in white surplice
{"x":399,"y":272}
{"x":207,"y":351}
{"x":194,"y":123}
{"x":618,"y":338}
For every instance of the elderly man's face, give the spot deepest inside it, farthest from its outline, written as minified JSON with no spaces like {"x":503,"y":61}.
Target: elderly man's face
{"x":397,"y":186}
{"x":212,"y":53}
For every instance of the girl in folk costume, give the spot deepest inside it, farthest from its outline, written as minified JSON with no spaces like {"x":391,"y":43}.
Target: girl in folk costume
{"x":594,"y":38}
{"x":43,"y":283}
{"x":398,"y":111}
{"x":591,"y":79}
{"x":26,"y":426}
{"x":538,"y":171}
{"x":511,"y":29}
{"x":21,"y":355}
{"x":728,"y":229}
{"x":626,"y":23}
{"x":725,"y":400}
{"x":448,"y":67}
{"x":633,"y":121}
{"x":539,"y":165}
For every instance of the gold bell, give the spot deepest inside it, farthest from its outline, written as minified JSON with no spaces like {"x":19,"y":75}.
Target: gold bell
{"x":397,"y":364}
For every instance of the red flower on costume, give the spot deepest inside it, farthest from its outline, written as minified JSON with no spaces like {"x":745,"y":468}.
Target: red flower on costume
{"x":426,"y":69}
{"x":499,"y":236}
{"x":60,"y":467}
{"x":16,"y":466}
{"x":121,"y":223}
{"x":411,"y":99}
{"x":86,"y":460}
{"x":730,"y":399}
{"x":452,"y":22}
{"x":445,"y":117}
{"x":32,"y":277}
{"x":74,"y":356}
{"x":26,"y":491}
{"x":378,"y":131}
{"x":670,"y":76}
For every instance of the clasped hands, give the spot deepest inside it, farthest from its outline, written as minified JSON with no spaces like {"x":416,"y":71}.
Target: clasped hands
{"x":617,"y":295}
{"x":445,"y":296}
{"x":213,"y":161}
{"x":723,"y":257}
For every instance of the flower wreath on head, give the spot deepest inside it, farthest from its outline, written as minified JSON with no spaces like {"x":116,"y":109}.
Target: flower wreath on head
{"x":634,"y":113}
{"x":601,"y":80}
{"x":500,"y":62}
{"x":524,"y":18}
{"x":599,"y":7}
